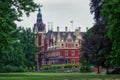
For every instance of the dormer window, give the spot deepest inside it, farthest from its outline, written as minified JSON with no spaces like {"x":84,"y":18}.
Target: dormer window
{"x":73,"y":53}
{"x":69,"y":45}
{"x":69,"y":40}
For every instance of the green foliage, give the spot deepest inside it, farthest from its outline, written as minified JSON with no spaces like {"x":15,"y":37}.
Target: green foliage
{"x":54,"y":67}
{"x":70,"y":65}
{"x":89,"y":32}
{"x":21,"y":53}
{"x":11,"y":51}
{"x":27,"y":40}
{"x":84,"y":65}
{"x":111,"y":12}
{"x":9,"y":68}
{"x":85,"y":68}
{"x":29,"y":69}
{"x":97,"y":46}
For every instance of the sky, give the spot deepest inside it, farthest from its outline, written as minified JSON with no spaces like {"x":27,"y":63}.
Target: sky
{"x":61,"y":13}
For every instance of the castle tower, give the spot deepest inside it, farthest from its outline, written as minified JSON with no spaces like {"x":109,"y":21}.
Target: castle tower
{"x":39,"y":29}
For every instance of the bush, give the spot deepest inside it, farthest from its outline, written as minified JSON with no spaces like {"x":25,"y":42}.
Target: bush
{"x":45,"y":67}
{"x":85,"y":69}
{"x":85,"y":65}
{"x":30,"y":69}
{"x":55,"y":67}
{"x":9,"y":68}
{"x":68,"y":65}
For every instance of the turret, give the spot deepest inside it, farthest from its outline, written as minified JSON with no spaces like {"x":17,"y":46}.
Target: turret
{"x":39,"y":25}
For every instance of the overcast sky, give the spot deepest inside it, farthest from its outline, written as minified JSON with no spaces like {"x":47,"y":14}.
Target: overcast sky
{"x":61,"y":12}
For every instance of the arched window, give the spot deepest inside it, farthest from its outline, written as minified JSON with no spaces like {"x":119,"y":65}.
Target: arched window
{"x":73,"y":53}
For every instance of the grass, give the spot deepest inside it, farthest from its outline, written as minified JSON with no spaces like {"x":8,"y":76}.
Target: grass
{"x":57,"y":76}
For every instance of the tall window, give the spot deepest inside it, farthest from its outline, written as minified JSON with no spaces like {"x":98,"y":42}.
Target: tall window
{"x":73,"y":53}
{"x":66,"y":53}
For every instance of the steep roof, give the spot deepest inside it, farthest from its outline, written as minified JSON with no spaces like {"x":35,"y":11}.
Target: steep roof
{"x":63,"y":34}
{"x":39,"y":25}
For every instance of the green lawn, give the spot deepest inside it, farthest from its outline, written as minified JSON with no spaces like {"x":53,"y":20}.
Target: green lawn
{"x":57,"y":76}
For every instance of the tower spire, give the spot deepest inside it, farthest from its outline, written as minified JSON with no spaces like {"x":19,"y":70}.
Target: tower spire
{"x":39,"y":10}
{"x":39,"y":15}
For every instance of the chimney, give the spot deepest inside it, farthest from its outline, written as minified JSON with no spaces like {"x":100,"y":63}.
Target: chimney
{"x":66,"y":29}
{"x":86,"y":29}
{"x":79,"y":29}
{"x":58,"y":29}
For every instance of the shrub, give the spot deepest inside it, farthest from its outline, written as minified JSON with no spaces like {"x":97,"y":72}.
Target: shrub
{"x":85,"y":69}
{"x":9,"y":68}
{"x":54,"y":67}
{"x":45,"y":67}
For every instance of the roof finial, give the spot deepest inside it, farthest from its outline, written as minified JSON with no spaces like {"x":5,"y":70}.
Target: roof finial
{"x":39,"y":10}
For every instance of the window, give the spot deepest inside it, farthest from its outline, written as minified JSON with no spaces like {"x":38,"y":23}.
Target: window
{"x":73,"y":61}
{"x":76,"y":45}
{"x":66,"y":53}
{"x":62,"y":45}
{"x":69,"y":45}
{"x":67,"y":61}
{"x":73,"y":53}
{"x":69,"y":40}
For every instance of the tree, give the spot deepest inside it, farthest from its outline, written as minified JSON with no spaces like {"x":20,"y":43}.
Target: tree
{"x":10,"y":11}
{"x":27,"y":39}
{"x":84,"y":64}
{"x":111,"y":13}
{"x":96,"y":44}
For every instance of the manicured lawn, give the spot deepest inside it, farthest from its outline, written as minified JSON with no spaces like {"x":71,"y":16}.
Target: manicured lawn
{"x":57,"y":76}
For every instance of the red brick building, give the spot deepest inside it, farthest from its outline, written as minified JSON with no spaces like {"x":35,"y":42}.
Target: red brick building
{"x":57,"y":47}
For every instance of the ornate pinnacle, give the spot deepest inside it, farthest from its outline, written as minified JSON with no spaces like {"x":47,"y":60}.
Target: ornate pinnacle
{"x":39,"y":8}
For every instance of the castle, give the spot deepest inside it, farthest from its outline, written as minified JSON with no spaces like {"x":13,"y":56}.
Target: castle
{"x":57,"y":47}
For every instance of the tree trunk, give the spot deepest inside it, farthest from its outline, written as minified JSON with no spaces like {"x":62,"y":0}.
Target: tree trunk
{"x":98,"y":69}
{"x":107,"y":70}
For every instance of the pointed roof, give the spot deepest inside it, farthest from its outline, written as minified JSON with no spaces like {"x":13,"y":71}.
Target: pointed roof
{"x":63,"y":34}
{"x":39,"y":25}
{"x":39,"y":15}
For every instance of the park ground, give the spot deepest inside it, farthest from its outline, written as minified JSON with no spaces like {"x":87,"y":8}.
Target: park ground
{"x":58,"y":76}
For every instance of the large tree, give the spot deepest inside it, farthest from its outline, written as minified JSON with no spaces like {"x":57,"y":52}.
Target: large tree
{"x":27,"y":39}
{"x":96,"y":44}
{"x":111,"y":13}
{"x":10,"y":11}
